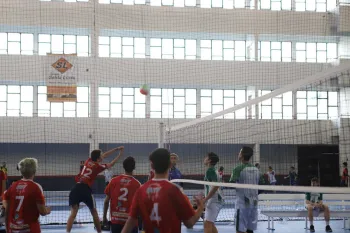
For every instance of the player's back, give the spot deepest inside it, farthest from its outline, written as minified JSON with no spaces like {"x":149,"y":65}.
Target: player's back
{"x":90,"y":171}
{"x":162,"y":206}
{"x":121,"y":190}
{"x":23,"y":196}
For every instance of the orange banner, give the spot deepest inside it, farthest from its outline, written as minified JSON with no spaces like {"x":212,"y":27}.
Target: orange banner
{"x":62,"y":93}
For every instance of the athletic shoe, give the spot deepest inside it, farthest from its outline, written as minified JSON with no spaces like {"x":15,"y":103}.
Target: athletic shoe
{"x":328,"y":229}
{"x":312,"y":228}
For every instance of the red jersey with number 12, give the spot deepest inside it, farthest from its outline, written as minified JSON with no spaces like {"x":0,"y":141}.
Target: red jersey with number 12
{"x":162,"y":207}
{"x":23,"y":196}
{"x":90,"y":171}
{"x":121,"y":190}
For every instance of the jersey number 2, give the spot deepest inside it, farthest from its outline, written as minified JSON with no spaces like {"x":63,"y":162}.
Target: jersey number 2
{"x":20,"y":198}
{"x":124,"y":192}
{"x":88,"y":172}
{"x":155,"y":214}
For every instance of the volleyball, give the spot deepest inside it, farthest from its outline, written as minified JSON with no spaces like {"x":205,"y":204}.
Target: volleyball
{"x":144,"y":89}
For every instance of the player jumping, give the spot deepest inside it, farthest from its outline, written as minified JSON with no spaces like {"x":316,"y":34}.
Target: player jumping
{"x":24,"y":201}
{"x":120,"y":193}
{"x":246,"y":199}
{"x":161,"y":204}
{"x":81,"y":192}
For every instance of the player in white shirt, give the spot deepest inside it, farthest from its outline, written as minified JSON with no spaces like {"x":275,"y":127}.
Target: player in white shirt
{"x":108,"y":175}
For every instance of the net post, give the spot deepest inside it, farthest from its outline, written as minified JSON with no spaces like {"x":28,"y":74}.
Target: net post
{"x":161,"y":134}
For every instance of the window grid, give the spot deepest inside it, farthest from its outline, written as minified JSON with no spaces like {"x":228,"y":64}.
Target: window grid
{"x":317,"y":105}
{"x":64,"y":44}
{"x":172,"y":48}
{"x":223,"y":50}
{"x":316,"y":52}
{"x":213,"y":101}
{"x":16,"y":43}
{"x":226,"y":4}
{"x":315,"y":5}
{"x":275,"y":51}
{"x":16,"y":101}
{"x":125,"y":2}
{"x":173,"y":103}
{"x":64,"y":0}
{"x":275,"y":5}
{"x":116,"y":102}
{"x":64,"y":109}
{"x":279,"y":107}
{"x":125,"y":47}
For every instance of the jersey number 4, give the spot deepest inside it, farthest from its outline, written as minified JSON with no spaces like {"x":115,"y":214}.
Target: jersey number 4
{"x":155,"y":214}
{"x":20,"y":198}
{"x":86,"y":172}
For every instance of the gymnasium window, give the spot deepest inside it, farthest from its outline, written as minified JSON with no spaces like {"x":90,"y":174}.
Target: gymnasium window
{"x":315,"y":5}
{"x":226,"y":4}
{"x":126,"y":47}
{"x":275,"y":5}
{"x":213,"y":101}
{"x":317,"y":105}
{"x":173,"y":103}
{"x":125,"y":2}
{"x":64,"y":0}
{"x":275,"y":51}
{"x":63,"y":109}
{"x":172,"y":48}
{"x":316,"y":52}
{"x":64,"y":44}
{"x":16,"y":43}
{"x":223,"y":50}
{"x":116,"y":102}
{"x":16,"y":101}
{"x":279,"y":107}
{"x":175,"y":3}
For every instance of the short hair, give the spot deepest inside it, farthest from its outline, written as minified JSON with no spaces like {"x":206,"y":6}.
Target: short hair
{"x":247,"y":153}
{"x":28,"y":167}
{"x":95,"y":155}
{"x":257,"y":164}
{"x":129,"y":164}
{"x":221,"y":168}
{"x":292,"y":167}
{"x":160,"y":159}
{"x":270,"y":167}
{"x":345,"y":164}
{"x":173,"y":154}
{"x":214,"y":158}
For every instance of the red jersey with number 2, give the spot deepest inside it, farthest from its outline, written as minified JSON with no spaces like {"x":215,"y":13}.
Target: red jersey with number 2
{"x":23,"y":197}
{"x":121,"y":190}
{"x":90,"y":171}
{"x":162,"y":206}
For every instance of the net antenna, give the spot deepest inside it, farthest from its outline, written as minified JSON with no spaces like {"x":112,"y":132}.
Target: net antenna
{"x":161,"y":135}
{"x":331,"y":72}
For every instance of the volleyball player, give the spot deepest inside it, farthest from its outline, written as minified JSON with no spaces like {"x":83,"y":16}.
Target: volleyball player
{"x":81,"y":192}
{"x":119,"y":194}
{"x":161,"y":204}
{"x":246,"y":199}
{"x":24,"y":201}
{"x":213,"y":197}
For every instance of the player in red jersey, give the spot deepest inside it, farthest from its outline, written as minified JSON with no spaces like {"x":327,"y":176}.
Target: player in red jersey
{"x":161,"y":204}
{"x":24,"y":201}
{"x":120,"y":193}
{"x":82,"y":192}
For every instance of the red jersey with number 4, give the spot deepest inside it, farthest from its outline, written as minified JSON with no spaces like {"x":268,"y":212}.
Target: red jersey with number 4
{"x":23,"y":197}
{"x":162,"y":206}
{"x":90,"y":171}
{"x":121,"y":190}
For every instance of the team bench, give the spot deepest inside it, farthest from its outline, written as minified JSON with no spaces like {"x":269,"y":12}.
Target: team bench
{"x":293,"y":205}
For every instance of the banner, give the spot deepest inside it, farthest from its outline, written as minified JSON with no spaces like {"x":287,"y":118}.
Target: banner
{"x":61,"y":81}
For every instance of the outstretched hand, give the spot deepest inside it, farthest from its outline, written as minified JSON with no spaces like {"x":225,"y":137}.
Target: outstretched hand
{"x":120,"y":148}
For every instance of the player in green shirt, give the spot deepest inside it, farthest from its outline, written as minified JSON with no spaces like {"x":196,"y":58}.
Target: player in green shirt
{"x":213,"y":196}
{"x":314,"y":205}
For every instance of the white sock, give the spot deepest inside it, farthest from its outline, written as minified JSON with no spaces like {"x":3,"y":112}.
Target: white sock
{"x":311,"y":222}
{"x":327,"y":223}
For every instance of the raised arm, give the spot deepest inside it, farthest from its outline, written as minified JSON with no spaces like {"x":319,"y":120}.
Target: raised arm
{"x":121,"y":152}
{"x":108,"y":153}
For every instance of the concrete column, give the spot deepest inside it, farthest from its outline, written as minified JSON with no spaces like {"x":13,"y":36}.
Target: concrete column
{"x":256,"y":157}
{"x":295,"y":105}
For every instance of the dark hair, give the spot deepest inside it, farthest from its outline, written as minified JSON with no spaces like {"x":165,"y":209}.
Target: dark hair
{"x":160,"y":159}
{"x":292,"y":167}
{"x":95,"y":155}
{"x":221,"y":168}
{"x":129,"y":164}
{"x":345,"y":164}
{"x":257,"y":165}
{"x":315,"y":179}
{"x":270,"y":167}
{"x":214,"y":158}
{"x":247,"y":153}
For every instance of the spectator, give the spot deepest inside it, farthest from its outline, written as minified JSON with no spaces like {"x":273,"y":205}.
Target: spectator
{"x":292,"y":176}
{"x":345,"y":175}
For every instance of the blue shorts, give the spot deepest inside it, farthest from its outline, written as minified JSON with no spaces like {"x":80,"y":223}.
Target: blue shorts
{"x":246,"y":219}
